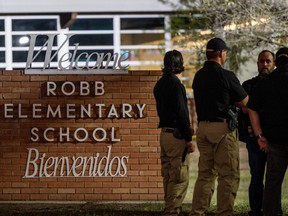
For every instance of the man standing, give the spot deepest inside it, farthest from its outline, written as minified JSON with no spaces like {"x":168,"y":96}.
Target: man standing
{"x":257,"y":158}
{"x":176,"y":134}
{"x":216,"y":90}
{"x":269,"y":119}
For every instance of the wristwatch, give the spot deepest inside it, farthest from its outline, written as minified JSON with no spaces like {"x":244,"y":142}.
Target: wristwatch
{"x":259,"y":136}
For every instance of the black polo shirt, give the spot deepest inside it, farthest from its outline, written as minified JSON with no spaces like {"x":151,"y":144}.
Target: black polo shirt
{"x":270,"y":100}
{"x":171,"y":102}
{"x":249,"y":86}
{"x":215,"y":90}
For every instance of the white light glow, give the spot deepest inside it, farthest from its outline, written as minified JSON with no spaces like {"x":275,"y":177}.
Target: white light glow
{"x":24,"y":40}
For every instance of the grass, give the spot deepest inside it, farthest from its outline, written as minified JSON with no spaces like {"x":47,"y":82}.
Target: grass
{"x":242,"y":201}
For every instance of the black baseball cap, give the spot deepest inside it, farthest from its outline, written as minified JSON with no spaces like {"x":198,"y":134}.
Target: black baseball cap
{"x":216,"y":44}
{"x":282,"y":56}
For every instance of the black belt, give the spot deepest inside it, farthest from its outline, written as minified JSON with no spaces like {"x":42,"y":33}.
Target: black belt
{"x":218,"y":119}
{"x":168,"y":130}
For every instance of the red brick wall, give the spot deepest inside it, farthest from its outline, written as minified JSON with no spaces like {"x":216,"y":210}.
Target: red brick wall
{"x":139,"y":140}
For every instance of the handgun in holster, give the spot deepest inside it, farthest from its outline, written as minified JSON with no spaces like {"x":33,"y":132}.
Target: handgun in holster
{"x":233,"y":119}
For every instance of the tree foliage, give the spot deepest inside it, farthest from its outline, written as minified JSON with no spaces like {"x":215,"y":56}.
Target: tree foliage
{"x":244,"y":24}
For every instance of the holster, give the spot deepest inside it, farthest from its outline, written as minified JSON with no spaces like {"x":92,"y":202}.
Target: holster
{"x":233,"y":119}
{"x":177,"y":134}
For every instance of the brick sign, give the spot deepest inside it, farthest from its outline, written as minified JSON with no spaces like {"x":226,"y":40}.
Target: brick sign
{"x":76,"y":137}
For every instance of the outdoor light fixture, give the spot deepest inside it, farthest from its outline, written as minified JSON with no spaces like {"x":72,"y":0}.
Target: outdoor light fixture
{"x":24,"y":40}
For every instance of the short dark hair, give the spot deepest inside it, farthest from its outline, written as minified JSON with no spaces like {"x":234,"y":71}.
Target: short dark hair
{"x":173,"y":62}
{"x":212,"y":54}
{"x":272,"y":53}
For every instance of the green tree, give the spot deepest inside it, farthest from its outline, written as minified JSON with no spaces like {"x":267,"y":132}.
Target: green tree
{"x":245,"y":24}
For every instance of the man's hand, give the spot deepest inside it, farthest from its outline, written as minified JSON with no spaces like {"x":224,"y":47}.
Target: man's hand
{"x":190,"y":146}
{"x":262,"y":142}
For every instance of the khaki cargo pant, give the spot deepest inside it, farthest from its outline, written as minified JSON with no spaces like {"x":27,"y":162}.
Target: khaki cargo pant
{"x":175,"y":173}
{"x":219,"y":157}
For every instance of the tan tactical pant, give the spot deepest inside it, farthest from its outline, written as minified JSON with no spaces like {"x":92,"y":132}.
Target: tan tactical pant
{"x":175,"y":173}
{"x":219,"y":157}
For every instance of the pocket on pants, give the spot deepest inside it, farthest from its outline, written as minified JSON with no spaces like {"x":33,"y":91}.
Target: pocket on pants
{"x":180,"y":174}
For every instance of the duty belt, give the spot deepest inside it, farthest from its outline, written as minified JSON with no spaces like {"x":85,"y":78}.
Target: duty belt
{"x":168,"y":130}
{"x":218,"y":119}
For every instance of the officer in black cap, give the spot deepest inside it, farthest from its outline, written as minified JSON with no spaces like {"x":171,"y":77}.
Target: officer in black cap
{"x":216,"y":90}
{"x":268,"y":114}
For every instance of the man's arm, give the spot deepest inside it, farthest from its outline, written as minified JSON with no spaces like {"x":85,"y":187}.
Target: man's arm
{"x":255,"y":121}
{"x":242,"y":103}
{"x":256,"y":126}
